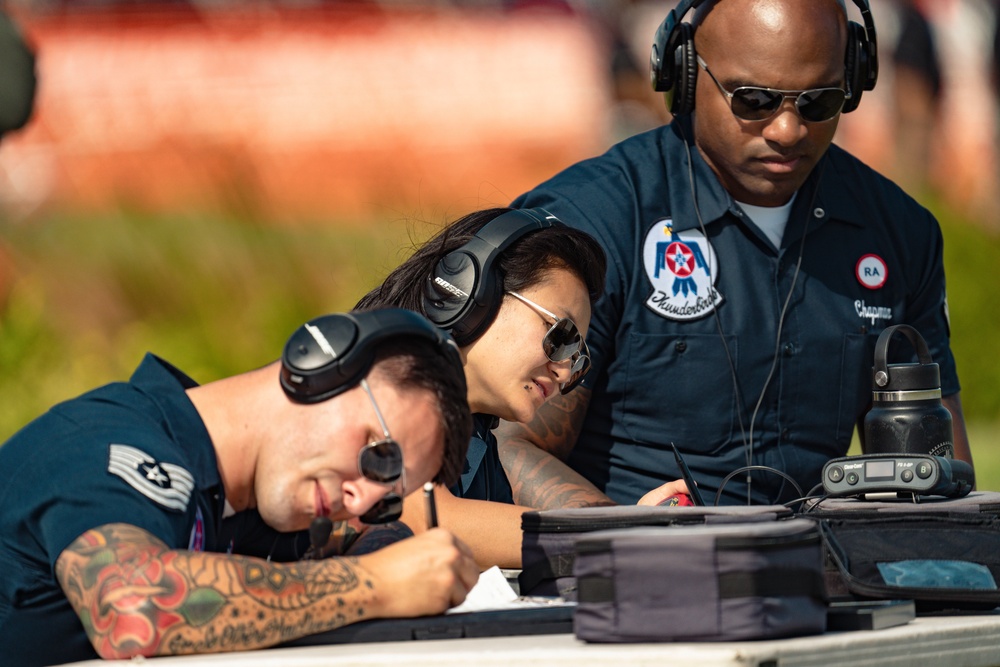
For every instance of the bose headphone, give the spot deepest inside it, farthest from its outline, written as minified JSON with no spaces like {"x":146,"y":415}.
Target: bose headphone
{"x":330,"y":354}
{"x":463,"y":294}
{"x":673,"y":65}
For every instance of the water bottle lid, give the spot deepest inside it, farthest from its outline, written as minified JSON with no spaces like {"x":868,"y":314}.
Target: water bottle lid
{"x":904,"y":377}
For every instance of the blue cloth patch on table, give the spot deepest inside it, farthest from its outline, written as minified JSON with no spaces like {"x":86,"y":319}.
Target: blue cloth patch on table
{"x":937,"y":574}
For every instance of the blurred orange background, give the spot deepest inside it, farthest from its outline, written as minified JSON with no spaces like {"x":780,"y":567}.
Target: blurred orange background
{"x":303,"y":114}
{"x":347,"y":109}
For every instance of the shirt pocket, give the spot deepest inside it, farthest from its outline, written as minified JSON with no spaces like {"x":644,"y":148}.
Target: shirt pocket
{"x":679,"y":389}
{"x":832,"y":390}
{"x":857,"y":359}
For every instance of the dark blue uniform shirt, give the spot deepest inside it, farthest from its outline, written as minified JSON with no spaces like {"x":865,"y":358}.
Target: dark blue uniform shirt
{"x":135,"y":453}
{"x":688,"y":332}
{"x":483,"y":477}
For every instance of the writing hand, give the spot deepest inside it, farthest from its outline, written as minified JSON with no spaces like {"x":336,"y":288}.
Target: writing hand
{"x":426,"y":574}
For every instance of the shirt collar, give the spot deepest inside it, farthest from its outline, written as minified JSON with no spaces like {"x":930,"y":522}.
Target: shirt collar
{"x":165,"y":386}
{"x":485,"y":423}
{"x":684,"y":164}
{"x":714,"y":201}
{"x":833,"y":186}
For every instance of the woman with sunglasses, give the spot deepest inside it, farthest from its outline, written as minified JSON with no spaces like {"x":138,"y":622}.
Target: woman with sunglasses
{"x":529,"y":348}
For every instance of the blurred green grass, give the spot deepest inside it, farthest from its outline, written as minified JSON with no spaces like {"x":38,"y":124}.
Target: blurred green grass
{"x":219,"y":294}
{"x":213,"y":295}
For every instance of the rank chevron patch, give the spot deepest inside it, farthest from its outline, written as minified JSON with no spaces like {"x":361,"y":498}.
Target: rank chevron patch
{"x":164,"y":483}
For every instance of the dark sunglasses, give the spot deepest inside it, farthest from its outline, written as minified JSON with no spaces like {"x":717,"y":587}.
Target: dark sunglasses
{"x":561,"y":342}
{"x":382,"y":462}
{"x":755,"y":103}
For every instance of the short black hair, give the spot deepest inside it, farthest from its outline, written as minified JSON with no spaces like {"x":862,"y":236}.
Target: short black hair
{"x":416,"y":363}
{"x":523,"y":264}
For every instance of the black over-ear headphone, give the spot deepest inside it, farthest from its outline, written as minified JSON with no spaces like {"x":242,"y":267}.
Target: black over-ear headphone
{"x":330,"y":354}
{"x":673,"y":65}
{"x":464,"y":292}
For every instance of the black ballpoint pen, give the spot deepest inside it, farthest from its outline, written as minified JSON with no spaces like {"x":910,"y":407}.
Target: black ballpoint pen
{"x":692,"y":485}
{"x":432,"y":515}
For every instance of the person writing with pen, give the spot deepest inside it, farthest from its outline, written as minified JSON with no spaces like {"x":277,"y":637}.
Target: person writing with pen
{"x":159,"y":517}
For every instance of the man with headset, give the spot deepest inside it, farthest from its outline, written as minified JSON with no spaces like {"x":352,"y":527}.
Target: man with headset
{"x":159,"y":517}
{"x":752,"y":265}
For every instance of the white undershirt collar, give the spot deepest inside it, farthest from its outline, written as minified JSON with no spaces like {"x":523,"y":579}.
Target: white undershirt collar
{"x":771,"y":220}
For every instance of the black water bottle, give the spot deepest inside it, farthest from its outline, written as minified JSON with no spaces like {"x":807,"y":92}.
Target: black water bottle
{"x":907,"y":416}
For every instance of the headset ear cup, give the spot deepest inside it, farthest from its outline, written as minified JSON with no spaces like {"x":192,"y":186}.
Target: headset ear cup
{"x":659,"y":62}
{"x":479,"y":317}
{"x":855,"y":66}
{"x":330,"y":354}
{"x":464,"y":293}
{"x":449,"y":289}
{"x":459,"y":299}
{"x":685,"y":72}
{"x":309,"y":372}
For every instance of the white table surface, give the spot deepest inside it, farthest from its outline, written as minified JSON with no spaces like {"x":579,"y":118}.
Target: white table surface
{"x":951,"y":641}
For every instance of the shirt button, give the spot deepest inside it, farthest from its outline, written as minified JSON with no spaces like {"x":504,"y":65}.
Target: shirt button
{"x":818,"y":212}
{"x":789,"y":349}
{"x":680,"y":346}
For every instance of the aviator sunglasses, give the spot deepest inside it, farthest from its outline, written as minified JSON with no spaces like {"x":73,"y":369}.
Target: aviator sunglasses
{"x":755,"y":103}
{"x":561,"y":342}
{"x":382,"y":462}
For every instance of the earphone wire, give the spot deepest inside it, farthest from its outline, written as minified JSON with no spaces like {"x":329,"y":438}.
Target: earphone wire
{"x":777,"y":336}
{"x":715,"y":311}
{"x":748,"y":445}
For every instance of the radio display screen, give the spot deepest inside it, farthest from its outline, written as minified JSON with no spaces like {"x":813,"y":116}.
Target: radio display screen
{"x":880,"y":470}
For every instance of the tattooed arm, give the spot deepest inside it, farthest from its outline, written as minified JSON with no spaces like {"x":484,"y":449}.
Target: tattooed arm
{"x":538,"y":480}
{"x":528,"y":453}
{"x":491,"y":529}
{"x":135,"y":596}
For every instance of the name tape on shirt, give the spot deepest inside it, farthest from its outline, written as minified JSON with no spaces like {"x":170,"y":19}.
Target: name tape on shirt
{"x":164,"y":483}
{"x":682,"y":268}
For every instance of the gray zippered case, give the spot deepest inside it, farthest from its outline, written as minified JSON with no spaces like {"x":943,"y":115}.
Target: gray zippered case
{"x":549,"y":536}
{"x":700,"y":583}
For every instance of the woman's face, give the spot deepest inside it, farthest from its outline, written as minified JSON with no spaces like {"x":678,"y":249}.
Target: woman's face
{"x":506,"y":368}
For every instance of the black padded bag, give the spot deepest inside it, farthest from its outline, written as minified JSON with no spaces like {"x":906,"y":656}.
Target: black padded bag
{"x":942,"y":553}
{"x":549,"y":536}
{"x":700,"y":583}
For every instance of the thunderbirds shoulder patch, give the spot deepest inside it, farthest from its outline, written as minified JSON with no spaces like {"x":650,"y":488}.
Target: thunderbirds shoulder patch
{"x":682,"y":269}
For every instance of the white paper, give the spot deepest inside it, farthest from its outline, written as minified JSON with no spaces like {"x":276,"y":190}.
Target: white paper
{"x":491,"y":592}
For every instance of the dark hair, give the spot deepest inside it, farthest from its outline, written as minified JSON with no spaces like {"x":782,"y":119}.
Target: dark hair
{"x":521,"y":264}
{"x":414,"y":363}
